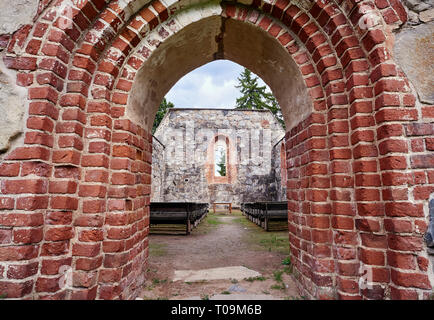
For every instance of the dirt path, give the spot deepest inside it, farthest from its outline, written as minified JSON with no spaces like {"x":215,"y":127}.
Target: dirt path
{"x":220,"y":241}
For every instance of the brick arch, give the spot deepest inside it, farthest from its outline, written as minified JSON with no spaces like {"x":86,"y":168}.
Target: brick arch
{"x":77,"y":193}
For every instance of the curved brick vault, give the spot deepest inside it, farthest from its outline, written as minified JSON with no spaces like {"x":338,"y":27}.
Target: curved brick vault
{"x":75,"y":193}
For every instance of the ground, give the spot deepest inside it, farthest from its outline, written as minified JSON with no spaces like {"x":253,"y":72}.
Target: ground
{"x":221,"y":240}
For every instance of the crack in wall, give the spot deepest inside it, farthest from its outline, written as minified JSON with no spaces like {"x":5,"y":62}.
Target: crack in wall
{"x":219,"y":39}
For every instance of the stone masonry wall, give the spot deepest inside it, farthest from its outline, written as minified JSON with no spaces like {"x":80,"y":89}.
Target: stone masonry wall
{"x":158,"y":169}
{"x":188,"y":134}
{"x":279,"y":183}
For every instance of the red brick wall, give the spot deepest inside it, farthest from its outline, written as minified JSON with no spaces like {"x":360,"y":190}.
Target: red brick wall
{"x":76,"y":194}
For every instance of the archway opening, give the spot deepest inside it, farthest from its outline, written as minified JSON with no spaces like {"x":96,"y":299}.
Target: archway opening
{"x":232,"y":158}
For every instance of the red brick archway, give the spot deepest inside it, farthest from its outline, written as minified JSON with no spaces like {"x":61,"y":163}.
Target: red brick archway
{"x":76,"y":194}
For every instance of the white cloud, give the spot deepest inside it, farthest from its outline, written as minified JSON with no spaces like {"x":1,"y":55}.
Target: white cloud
{"x":200,"y":91}
{"x":210,"y":86}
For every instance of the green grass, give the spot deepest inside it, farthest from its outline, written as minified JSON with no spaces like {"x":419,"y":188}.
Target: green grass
{"x":225,"y":292}
{"x":245,"y":222}
{"x":210,"y":222}
{"x":272,"y":241}
{"x":219,"y":212}
{"x":157,"y":249}
{"x":275,"y":241}
{"x":156,"y":281}
{"x":286,"y":261}
{"x":3,"y":295}
{"x":288,"y":269}
{"x":213,"y":220}
{"x":251,"y":279}
{"x":278,"y":286}
{"x":278,"y":275}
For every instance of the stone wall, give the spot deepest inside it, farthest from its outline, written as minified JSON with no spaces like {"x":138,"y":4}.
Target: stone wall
{"x":188,"y":136}
{"x":414,"y":48}
{"x":158,"y":169}
{"x":15,"y":19}
{"x":277,"y":158}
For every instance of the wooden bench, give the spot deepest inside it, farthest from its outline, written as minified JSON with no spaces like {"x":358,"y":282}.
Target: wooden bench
{"x":223,"y":203}
{"x":263,"y":213}
{"x":176,"y":213}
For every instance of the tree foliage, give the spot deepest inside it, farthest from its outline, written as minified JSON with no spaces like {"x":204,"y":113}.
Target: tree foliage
{"x":221,"y":164}
{"x":162,"y":110}
{"x":255,"y":96}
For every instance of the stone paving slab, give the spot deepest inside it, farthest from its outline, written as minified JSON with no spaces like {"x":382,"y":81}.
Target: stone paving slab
{"x":237,"y":272}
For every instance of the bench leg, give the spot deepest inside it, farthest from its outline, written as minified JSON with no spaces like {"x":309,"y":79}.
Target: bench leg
{"x":187,"y":227}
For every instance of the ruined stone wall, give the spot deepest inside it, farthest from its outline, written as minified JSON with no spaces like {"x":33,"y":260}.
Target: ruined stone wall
{"x":15,"y":20}
{"x":188,"y":134}
{"x":279,"y":183}
{"x":158,"y":170}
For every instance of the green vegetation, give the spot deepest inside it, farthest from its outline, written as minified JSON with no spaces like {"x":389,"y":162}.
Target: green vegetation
{"x":273,"y":241}
{"x":157,"y":249}
{"x":3,"y":295}
{"x":222,"y":164}
{"x":280,"y":286}
{"x":213,"y":220}
{"x":225,"y":292}
{"x":210,"y":222}
{"x":278,"y":275}
{"x":162,"y":110}
{"x":255,"y":96}
{"x":286,"y":261}
{"x":205,"y":297}
{"x":288,"y":269}
{"x":259,"y":278}
{"x":156,"y":281}
{"x":288,"y":265}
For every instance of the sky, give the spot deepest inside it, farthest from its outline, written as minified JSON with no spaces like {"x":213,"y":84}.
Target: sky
{"x":210,"y":86}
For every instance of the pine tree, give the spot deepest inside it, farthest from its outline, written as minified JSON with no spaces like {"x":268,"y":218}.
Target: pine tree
{"x":162,"y":110}
{"x":255,"y":96}
{"x":222,"y":165}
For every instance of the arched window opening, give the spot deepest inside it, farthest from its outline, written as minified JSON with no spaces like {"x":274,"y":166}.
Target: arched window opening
{"x":220,"y":157}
